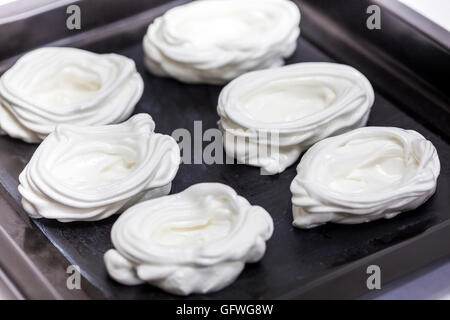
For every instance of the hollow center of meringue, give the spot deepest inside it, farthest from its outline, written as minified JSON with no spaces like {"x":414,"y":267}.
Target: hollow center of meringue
{"x":285,"y":101}
{"x":220,"y":25}
{"x":94,"y":169}
{"x":193,"y":231}
{"x":366,"y":165}
{"x":69,"y":85}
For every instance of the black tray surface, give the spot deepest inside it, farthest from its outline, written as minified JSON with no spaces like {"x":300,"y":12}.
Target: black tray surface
{"x":294,"y":257}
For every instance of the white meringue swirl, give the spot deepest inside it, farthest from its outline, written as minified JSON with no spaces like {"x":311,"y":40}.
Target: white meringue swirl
{"x":90,"y":173}
{"x":301,"y":103}
{"x":196,"y":241}
{"x":214,"y":41}
{"x":51,"y":86}
{"x":364,"y":175}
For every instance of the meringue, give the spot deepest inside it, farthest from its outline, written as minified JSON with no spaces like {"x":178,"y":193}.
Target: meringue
{"x":196,"y":241}
{"x":276,"y":114}
{"x":50,"y":86}
{"x":90,"y":173}
{"x":364,"y":175}
{"x":214,"y":41}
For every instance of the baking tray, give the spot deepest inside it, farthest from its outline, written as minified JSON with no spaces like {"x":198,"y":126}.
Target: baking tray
{"x":326,"y":262}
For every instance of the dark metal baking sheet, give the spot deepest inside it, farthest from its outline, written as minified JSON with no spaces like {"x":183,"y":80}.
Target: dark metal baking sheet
{"x":298,"y":263}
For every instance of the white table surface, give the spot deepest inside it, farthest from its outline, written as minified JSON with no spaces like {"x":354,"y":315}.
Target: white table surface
{"x":435,"y":10}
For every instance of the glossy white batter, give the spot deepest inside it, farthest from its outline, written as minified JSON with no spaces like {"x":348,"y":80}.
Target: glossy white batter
{"x":63,"y":87}
{"x":192,"y":231}
{"x":284,"y":101}
{"x":379,"y":163}
{"x":94,"y":169}
{"x":213,"y":23}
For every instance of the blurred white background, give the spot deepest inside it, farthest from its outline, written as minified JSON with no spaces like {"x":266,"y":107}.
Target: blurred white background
{"x":435,"y":10}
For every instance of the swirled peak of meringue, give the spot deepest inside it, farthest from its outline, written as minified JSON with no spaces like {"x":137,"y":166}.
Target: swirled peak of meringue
{"x":196,"y":241}
{"x":215,"y":41}
{"x":363,"y":175}
{"x":90,"y":173}
{"x":301,"y":103}
{"x":50,"y":86}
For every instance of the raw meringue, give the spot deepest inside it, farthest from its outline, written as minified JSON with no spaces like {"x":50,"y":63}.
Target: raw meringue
{"x":364,"y":175}
{"x":196,"y":241}
{"x":214,"y":41}
{"x":270,"y":117}
{"x":50,"y":86}
{"x":90,"y":173}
